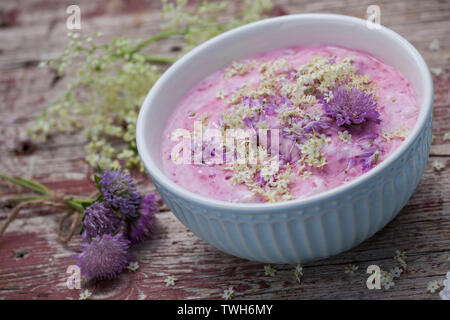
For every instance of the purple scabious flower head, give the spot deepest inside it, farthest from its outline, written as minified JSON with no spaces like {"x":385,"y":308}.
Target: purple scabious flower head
{"x":144,"y":226}
{"x":369,"y":158}
{"x":104,"y":257}
{"x":120,"y":192}
{"x":99,"y":219}
{"x":351,"y":106}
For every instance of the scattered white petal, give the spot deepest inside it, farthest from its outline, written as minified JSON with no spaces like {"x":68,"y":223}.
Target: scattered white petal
{"x":269,"y":271}
{"x":445,"y":292}
{"x":170,"y":281}
{"x":345,"y":136}
{"x":298,"y":272}
{"x":435,"y":45}
{"x":220,"y":95}
{"x":228,"y":293}
{"x":447,"y":136}
{"x":351,"y":268}
{"x":133,"y":266}
{"x":400,"y":257}
{"x":86,"y":294}
{"x":438,"y":165}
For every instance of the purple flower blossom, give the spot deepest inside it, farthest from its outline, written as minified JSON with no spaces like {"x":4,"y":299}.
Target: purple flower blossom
{"x":144,"y":226}
{"x":104,"y":257}
{"x":120,"y":192}
{"x":351,"y":106}
{"x":100,"y":219}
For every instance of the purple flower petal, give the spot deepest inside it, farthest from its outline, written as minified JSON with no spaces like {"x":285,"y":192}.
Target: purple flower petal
{"x":351,"y":106}
{"x":144,"y":226}
{"x":120,"y":192}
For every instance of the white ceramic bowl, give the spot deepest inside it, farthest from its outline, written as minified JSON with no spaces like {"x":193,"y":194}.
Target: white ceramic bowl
{"x":302,"y":230}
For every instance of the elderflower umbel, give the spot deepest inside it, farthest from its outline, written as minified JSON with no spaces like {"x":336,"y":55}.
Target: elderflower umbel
{"x":228,"y":293}
{"x":104,"y":96}
{"x":352,"y":106}
{"x":269,"y":271}
{"x":170,"y":281}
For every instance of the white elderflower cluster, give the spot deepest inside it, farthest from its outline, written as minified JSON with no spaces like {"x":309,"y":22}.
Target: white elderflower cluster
{"x":446,"y":136}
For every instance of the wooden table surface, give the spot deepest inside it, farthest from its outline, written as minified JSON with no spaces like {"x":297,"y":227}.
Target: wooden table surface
{"x":33,"y":263}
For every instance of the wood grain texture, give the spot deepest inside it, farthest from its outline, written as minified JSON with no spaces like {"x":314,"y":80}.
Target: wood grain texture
{"x":33,"y":263}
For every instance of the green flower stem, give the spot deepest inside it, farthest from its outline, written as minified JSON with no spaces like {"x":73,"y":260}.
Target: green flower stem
{"x":156,"y":37}
{"x":160,"y":60}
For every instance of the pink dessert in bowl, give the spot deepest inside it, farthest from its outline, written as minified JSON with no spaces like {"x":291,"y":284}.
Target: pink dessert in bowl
{"x":287,"y":124}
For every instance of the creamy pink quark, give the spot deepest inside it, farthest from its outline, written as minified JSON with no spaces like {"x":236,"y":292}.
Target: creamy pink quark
{"x":396,"y":105}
